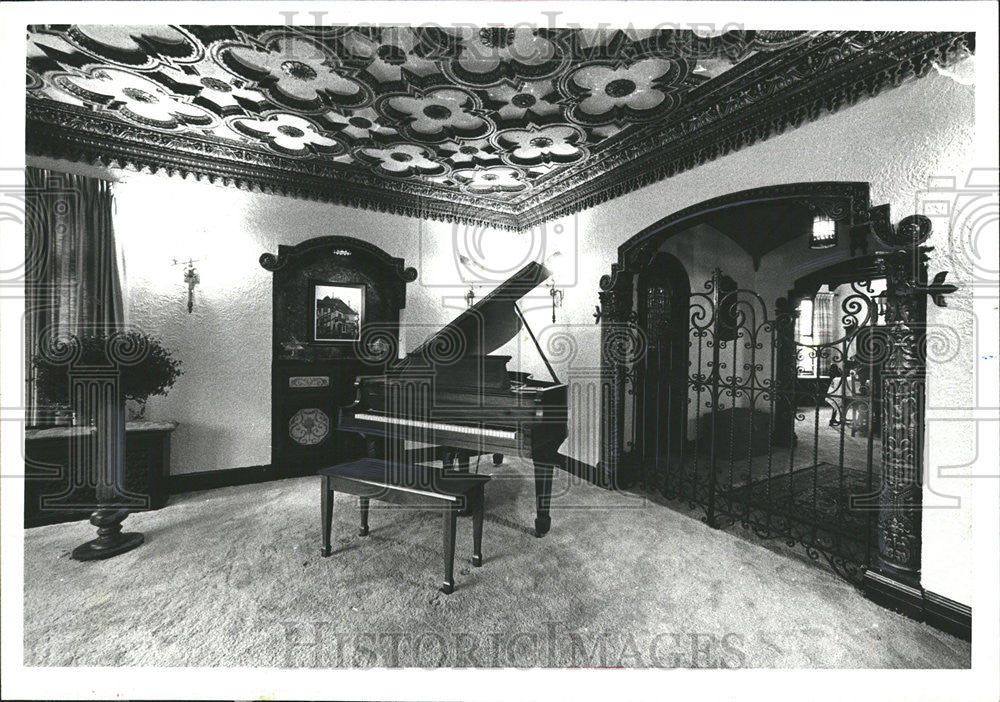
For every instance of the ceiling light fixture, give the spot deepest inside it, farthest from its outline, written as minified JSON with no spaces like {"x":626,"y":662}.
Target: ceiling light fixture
{"x":824,"y":233}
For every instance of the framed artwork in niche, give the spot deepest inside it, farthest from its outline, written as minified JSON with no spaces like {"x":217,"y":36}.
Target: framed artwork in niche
{"x":337,"y":311}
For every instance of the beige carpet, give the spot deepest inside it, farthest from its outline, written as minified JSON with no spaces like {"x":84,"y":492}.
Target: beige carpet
{"x":233,"y":577}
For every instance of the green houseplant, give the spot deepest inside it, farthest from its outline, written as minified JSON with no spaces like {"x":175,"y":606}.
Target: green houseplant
{"x":144,"y":366}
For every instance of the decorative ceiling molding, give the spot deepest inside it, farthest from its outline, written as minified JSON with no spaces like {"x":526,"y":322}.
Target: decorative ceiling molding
{"x":502,"y":127}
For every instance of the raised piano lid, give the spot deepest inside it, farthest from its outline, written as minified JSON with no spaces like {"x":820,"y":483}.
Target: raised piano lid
{"x":488,"y":324}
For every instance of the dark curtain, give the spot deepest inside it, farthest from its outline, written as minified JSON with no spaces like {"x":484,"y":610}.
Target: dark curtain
{"x":72,"y":282}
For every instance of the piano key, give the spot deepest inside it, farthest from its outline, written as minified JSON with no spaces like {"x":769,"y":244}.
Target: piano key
{"x":455,"y":428}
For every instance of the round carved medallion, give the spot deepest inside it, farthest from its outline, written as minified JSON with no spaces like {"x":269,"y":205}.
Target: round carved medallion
{"x":437,"y":112}
{"x":290,"y":131}
{"x":309,"y":426}
{"x":391,"y":54}
{"x":911,"y":231}
{"x":620,"y":88}
{"x":140,"y":95}
{"x":496,"y":37}
{"x":297,"y":69}
{"x":216,"y":84}
{"x":523,"y":100}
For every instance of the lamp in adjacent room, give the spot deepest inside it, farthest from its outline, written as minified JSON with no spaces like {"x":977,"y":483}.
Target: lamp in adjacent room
{"x":824,"y":233}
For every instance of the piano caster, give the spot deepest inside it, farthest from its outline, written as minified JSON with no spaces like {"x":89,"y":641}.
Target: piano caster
{"x":325,"y":551}
{"x":447,"y":588}
{"x":497,"y":459}
{"x":542,"y":525}
{"x":363,"y":531}
{"x":477,"y":561}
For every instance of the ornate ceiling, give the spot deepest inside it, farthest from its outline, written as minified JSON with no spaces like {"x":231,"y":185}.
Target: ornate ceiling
{"x":506,"y":127}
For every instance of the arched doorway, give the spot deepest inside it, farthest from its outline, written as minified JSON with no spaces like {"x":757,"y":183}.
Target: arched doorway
{"x":746,"y":348}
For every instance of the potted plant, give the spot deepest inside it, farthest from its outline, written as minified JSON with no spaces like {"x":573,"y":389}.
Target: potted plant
{"x":144,"y":366}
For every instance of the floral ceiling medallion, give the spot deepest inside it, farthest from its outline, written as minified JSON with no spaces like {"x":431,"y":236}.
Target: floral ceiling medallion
{"x":489,"y":125}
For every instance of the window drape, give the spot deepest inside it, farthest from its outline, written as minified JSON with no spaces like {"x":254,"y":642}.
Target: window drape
{"x":823,"y":329}
{"x":72,"y":266}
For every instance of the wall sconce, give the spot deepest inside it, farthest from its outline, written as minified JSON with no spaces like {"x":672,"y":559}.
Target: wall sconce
{"x":557,"y":298}
{"x":824,"y":233}
{"x":191,"y":278}
{"x":557,"y":264}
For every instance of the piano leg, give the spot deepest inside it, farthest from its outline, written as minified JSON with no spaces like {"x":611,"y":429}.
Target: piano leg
{"x":478,"y":507}
{"x":363,"y":504}
{"x":497,"y":459}
{"x":450,"y":517}
{"x":326,"y":515}
{"x":463,"y":462}
{"x":543,"y":496}
{"x":448,"y":459}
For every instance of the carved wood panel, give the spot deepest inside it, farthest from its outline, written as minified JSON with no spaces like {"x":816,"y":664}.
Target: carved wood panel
{"x":311,"y":380}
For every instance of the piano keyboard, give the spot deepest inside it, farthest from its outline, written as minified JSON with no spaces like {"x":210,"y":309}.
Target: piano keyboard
{"x":438,"y":426}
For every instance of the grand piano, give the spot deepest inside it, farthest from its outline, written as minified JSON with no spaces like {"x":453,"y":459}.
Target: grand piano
{"x":452,"y":394}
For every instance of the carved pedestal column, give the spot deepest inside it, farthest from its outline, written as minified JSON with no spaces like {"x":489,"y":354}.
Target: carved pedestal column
{"x":894,"y":579}
{"x":97,"y":398}
{"x":903,"y":384}
{"x":616,"y":340}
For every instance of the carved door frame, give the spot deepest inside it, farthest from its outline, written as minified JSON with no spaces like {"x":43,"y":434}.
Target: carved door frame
{"x":660,"y":390}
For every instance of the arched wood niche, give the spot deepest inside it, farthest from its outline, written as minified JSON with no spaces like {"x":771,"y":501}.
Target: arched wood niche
{"x":336,"y":313}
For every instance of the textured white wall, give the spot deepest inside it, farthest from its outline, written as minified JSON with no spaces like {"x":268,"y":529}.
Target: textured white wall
{"x":223,"y":399}
{"x":896,"y":142}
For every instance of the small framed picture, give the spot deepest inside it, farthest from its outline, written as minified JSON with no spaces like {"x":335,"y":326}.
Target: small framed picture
{"x":338,"y":311}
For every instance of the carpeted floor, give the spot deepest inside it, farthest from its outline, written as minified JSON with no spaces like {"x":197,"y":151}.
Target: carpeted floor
{"x":233,"y":577}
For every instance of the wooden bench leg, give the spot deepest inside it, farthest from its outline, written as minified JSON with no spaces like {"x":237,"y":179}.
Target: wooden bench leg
{"x":450,"y":517}
{"x":477,"y":527}
{"x":363,"y":504}
{"x":326,"y":515}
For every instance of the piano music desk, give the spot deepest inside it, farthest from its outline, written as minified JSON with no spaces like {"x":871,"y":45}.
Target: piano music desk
{"x":409,"y":484}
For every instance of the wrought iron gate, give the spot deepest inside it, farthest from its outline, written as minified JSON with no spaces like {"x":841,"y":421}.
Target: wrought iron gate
{"x":753,"y":441}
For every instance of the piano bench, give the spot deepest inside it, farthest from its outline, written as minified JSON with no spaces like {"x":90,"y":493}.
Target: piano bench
{"x":408,"y":484}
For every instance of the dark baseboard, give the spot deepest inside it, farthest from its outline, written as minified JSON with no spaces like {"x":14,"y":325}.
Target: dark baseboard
{"x":919,"y":604}
{"x":894,"y":595}
{"x":230,"y":477}
{"x":947,"y":615}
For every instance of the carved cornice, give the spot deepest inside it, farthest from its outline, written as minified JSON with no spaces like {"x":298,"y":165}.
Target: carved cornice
{"x":75,"y":134}
{"x":863,"y":64}
{"x":759,"y":97}
{"x":288,"y":255}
